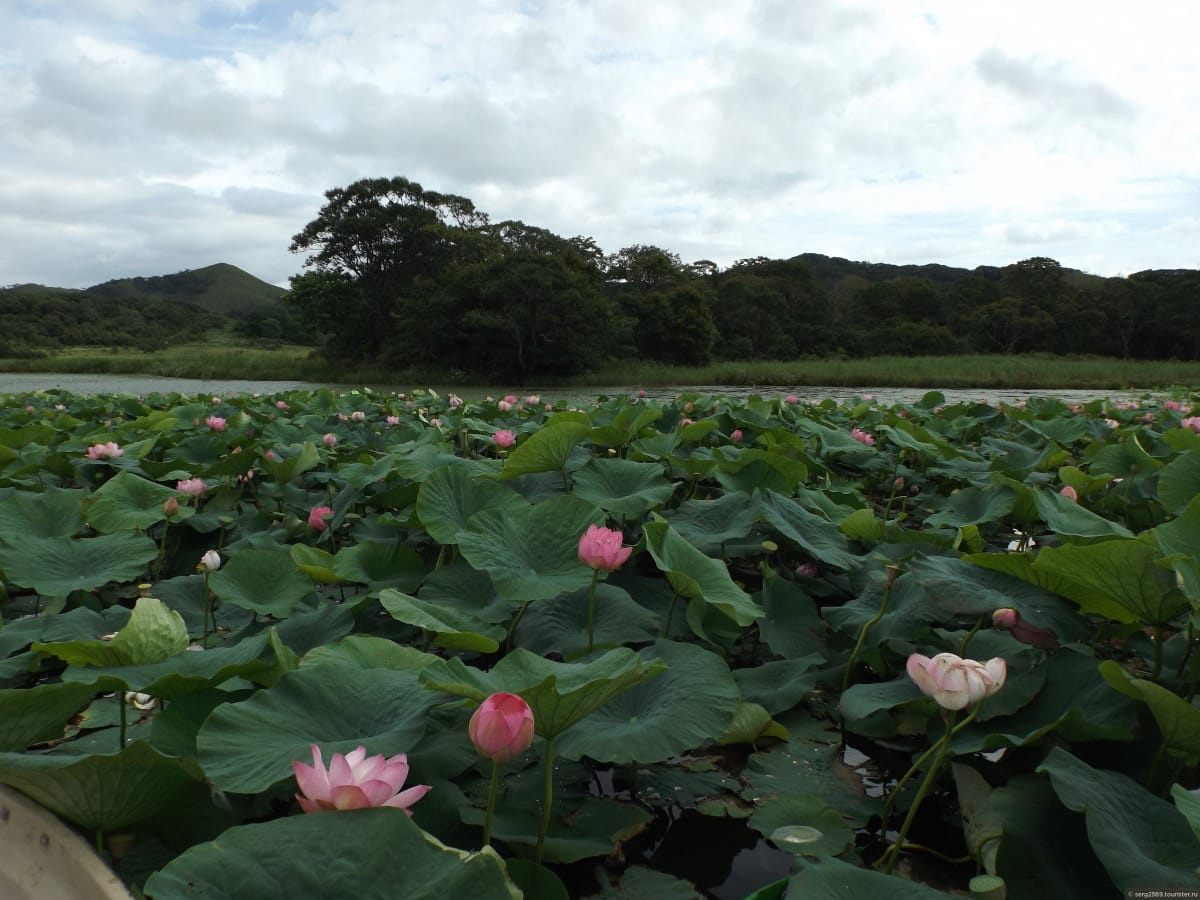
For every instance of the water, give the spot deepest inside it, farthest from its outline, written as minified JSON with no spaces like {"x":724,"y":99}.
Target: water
{"x":26,"y":382}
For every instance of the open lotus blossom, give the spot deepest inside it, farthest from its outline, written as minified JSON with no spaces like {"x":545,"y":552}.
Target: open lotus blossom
{"x":358,"y":415}
{"x":316,"y":517}
{"x":503,"y":405}
{"x":1191,"y":422}
{"x":104,"y":451}
{"x":455,"y":401}
{"x":502,"y":727}
{"x":863,"y":437}
{"x":355,"y":781}
{"x":194,"y":487}
{"x":954,"y":682}
{"x":1010,"y":620}
{"x":791,"y":398}
{"x":601,"y":549}
{"x":216,"y":423}
{"x":504,"y":438}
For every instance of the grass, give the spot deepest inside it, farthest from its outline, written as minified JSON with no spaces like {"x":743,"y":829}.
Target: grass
{"x":221,"y":359}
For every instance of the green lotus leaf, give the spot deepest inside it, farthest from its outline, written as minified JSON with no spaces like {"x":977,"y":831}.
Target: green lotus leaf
{"x":533,"y":554}
{"x":451,"y":495}
{"x":625,"y":426}
{"x":450,"y":627}
{"x":53,"y":513}
{"x":790,"y":810}
{"x":547,"y":450}
{"x":696,"y":576}
{"x":1179,"y":481}
{"x":56,"y":566}
{"x":101,"y":792}
{"x":559,"y":694}
{"x":640,"y":883}
{"x":152,"y":634}
{"x":972,"y":506}
{"x":708,"y":524}
{"x":828,"y":878}
{"x":345,"y":856}
{"x":1066,"y":516}
{"x":1143,"y":841}
{"x":791,"y":626}
{"x":779,"y":684}
{"x":265,"y":581}
{"x":127,"y":502}
{"x":1188,"y":805}
{"x":1178,"y":721}
{"x":364,"y":651}
{"x":560,"y":625}
{"x":40,"y":713}
{"x":750,"y":723}
{"x":686,"y":707}
{"x":623,"y":488}
{"x":983,"y":826}
{"x":247,"y":747}
{"x":316,"y":563}
{"x":818,"y":536}
{"x":380,"y":564}
{"x":284,"y":464}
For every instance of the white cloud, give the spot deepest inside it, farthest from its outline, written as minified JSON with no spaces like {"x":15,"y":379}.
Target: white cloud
{"x":144,"y":138}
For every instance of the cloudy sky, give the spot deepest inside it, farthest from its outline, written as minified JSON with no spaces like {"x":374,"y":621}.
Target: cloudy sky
{"x":142,"y":137}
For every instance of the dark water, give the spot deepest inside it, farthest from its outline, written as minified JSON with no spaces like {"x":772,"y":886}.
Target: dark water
{"x":26,"y":382}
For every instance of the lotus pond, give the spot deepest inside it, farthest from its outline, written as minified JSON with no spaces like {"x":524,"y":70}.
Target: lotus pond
{"x":197,"y":590}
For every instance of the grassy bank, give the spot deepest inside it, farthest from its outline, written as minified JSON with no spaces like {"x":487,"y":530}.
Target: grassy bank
{"x":296,"y":363}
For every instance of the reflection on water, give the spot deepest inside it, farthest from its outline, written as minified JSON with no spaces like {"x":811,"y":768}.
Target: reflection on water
{"x":25,"y":382}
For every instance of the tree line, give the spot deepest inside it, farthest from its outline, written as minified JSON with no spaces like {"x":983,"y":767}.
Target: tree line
{"x":403,"y":276}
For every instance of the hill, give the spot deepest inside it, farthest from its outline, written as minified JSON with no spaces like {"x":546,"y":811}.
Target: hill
{"x":220,"y":288}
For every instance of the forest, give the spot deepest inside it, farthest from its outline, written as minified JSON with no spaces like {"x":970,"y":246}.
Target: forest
{"x":404,"y":276}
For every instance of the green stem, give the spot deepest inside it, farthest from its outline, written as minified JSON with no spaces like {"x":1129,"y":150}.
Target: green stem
{"x":487,"y":818}
{"x":962,"y":649}
{"x":1191,"y":644}
{"x":1158,"y":655}
{"x":666,"y":632}
{"x":513,"y":628}
{"x":893,"y":853}
{"x":592,"y":609}
{"x":162,"y":552}
{"x":124,"y":714}
{"x":1154,"y":766}
{"x":547,"y":801}
{"x":892,"y":571}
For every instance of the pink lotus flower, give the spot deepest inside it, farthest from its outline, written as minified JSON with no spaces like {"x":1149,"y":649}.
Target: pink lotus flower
{"x":503,"y":405}
{"x":281,"y":404}
{"x":533,"y":400}
{"x":216,"y":423}
{"x":104,"y":451}
{"x":791,"y":398}
{"x":862,"y":437}
{"x":735,"y":435}
{"x":316,"y":517}
{"x":601,"y":549}
{"x":1010,"y":620}
{"x":455,"y":401}
{"x":502,"y":727}
{"x":435,"y":422}
{"x":329,"y":440}
{"x":504,"y":438}
{"x":358,"y":415}
{"x":509,"y":399}
{"x":1192,"y":423}
{"x":641,"y":393}
{"x":1174,"y":406}
{"x":193,"y":487}
{"x":956,"y":683}
{"x":1070,"y":493}
{"x":393,"y":420}
{"x":355,"y":782}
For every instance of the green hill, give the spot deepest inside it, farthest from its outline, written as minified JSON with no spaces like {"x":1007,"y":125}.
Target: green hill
{"x":219,"y":288}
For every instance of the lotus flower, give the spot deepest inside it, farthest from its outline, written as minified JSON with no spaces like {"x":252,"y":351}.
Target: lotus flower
{"x":601,"y":549}
{"x":329,"y":440}
{"x":956,"y":683}
{"x":210,"y":561}
{"x":104,"y":451}
{"x":355,"y":782}
{"x":316,"y":517}
{"x":504,"y":438}
{"x":863,"y":437}
{"x":194,"y":487}
{"x":216,"y":423}
{"x":1070,"y":493}
{"x":502,"y":727}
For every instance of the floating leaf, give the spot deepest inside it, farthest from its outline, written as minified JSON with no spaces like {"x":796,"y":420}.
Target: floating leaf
{"x":802,"y":823}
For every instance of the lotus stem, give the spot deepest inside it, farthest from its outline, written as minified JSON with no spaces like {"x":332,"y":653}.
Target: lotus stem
{"x":893,"y":853}
{"x":962,"y":649}
{"x":547,"y":801}
{"x":892,"y":573}
{"x":592,"y":609}
{"x":491,"y":803}
{"x":887,"y":806}
{"x":1158,"y":654}
{"x":124,"y":715}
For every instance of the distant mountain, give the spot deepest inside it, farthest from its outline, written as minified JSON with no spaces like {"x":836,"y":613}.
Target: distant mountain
{"x":219,"y":288}
{"x":829,"y":269}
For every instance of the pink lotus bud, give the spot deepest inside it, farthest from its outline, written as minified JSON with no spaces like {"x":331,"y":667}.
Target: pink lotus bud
{"x":862,"y":437}
{"x":808,"y":570}
{"x":316,"y":517}
{"x":435,"y":422}
{"x":601,"y":549}
{"x":210,"y":561}
{"x":355,"y":782}
{"x":502,"y":727}
{"x":281,"y":404}
{"x":170,"y":507}
{"x":193,"y":487}
{"x":641,"y":393}
{"x":329,"y":440}
{"x":358,"y":415}
{"x":956,"y":683}
{"x":1010,"y":620}
{"x":504,"y":438}
{"x":510,"y":399}
{"x":1070,"y":493}
{"x":735,"y":435}
{"x":216,"y":423}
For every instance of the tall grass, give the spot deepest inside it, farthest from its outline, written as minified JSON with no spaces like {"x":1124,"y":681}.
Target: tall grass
{"x":222,"y":360}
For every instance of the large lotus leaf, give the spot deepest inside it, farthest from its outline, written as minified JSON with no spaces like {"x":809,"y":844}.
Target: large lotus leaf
{"x":335,"y":856}
{"x":1066,"y":516}
{"x":1065,"y":430}
{"x":547,"y":450}
{"x":186,"y":673}
{"x":625,"y":426}
{"x":1121,"y":572}
{"x":365,"y":651}
{"x":972,"y":506}
{"x":755,"y":469}
{"x":640,"y":883}
{"x":247,"y":747}
{"x":54,"y":567}
{"x":1188,"y":805}
{"x":686,"y":707}
{"x":696,"y":576}
{"x":469,"y":590}
{"x":127,"y":502}
{"x":708,"y":524}
{"x":1178,"y":721}
{"x":284,"y":464}
{"x":451,"y":495}
{"x":40,"y":713}
{"x":560,"y":625}
{"x":791,"y":627}
{"x":265,"y":581}
{"x":1143,"y":841}
{"x":1075,"y":703}
{"x":828,"y":878}
{"x":380,"y":564}
{"x":780,"y":684}
{"x":560,"y":694}
{"x":101,"y":792}
{"x":153,"y":633}
{"x":450,"y":628}
{"x":815,"y":534}
{"x":802,"y":824}
{"x":533,"y":554}
{"x":316,"y":563}
{"x":1179,"y":481}
{"x":53,"y":513}
{"x":623,"y":488}
{"x":861,"y":701}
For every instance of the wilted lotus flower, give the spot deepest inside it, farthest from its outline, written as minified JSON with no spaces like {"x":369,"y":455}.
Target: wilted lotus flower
{"x":601,"y":549}
{"x":355,"y":782}
{"x":956,"y":683}
{"x":502,"y":727}
{"x":104,"y":451}
{"x":1010,"y":620}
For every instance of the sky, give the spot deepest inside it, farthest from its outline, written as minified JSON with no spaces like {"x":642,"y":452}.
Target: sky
{"x":145,"y":137}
